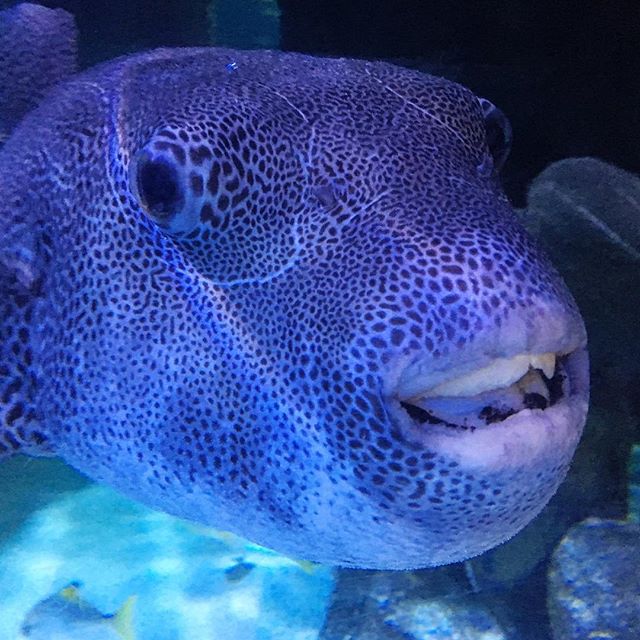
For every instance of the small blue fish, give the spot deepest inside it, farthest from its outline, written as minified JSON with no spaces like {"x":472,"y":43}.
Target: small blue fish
{"x":239,"y":571}
{"x":67,"y":616}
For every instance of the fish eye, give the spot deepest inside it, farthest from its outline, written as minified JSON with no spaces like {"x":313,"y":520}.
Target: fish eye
{"x":156,"y":185}
{"x":498,"y":135}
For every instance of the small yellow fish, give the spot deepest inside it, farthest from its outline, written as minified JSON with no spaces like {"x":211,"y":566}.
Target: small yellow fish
{"x":307,"y":566}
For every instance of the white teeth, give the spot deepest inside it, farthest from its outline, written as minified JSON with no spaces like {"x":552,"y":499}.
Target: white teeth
{"x":546,"y":362}
{"x":501,"y":373}
{"x":530,"y":383}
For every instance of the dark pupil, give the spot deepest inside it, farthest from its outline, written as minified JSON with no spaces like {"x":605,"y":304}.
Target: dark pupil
{"x":158,"y":187}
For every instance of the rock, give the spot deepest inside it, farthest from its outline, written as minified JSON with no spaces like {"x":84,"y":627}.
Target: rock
{"x":354,"y":612}
{"x":596,"y":485}
{"x":594,"y":582}
{"x":444,"y":619}
{"x":604,"y":275}
{"x":598,"y":197}
{"x":190,"y":582}
{"x":433,"y":603}
{"x":586,"y":213}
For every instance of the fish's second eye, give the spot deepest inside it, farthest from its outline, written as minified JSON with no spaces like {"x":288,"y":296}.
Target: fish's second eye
{"x":498,"y":133}
{"x":157,"y":187}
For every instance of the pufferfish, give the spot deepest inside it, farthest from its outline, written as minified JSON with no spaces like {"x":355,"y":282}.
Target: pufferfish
{"x":281,"y":295}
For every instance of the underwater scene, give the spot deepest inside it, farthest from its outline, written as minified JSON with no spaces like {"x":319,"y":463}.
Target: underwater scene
{"x":319,"y":320}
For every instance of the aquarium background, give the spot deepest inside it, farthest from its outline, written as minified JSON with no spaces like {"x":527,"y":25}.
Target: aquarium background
{"x":566,"y":75}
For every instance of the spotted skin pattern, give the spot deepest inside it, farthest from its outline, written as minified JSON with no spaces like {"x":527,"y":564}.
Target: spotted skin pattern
{"x":216,"y":262}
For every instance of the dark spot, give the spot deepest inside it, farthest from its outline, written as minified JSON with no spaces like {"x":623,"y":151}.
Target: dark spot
{"x":197,"y":184}
{"x":213,"y":184}
{"x":493,"y":414}
{"x":179,"y":153}
{"x":200,"y":154}
{"x":207,"y":215}
{"x":15,"y":413}
{"x":535,"y":401}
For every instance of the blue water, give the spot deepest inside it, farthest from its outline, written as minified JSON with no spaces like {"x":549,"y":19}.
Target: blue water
{"x":117,"y":548}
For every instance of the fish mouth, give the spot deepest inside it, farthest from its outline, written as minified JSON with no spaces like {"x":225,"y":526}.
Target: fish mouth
{"x":488,"y":395}
{"x":527,"y":400}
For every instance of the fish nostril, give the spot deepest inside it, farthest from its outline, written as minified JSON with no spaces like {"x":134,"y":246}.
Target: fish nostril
{"x":326,"y":195}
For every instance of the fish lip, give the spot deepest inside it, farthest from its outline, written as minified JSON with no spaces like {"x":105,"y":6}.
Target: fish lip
{"x":547,"y":326}
{"x":522,"y":439}
{"x":468,"y":363}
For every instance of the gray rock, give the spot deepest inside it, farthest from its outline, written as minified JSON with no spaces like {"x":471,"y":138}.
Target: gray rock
{"x":592,"y":197}
{"x":434,"y":603}
{"x":594,"y":582}
{"x":355,"y":604}
{"x":444,"y":619}
{"x":586,"y":213}
{"x":596,"y":485}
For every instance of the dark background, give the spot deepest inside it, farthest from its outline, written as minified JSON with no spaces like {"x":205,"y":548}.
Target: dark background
{"x":565,"y":73}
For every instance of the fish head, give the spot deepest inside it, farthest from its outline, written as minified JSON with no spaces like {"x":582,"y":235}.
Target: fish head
{"x":287,"y":297}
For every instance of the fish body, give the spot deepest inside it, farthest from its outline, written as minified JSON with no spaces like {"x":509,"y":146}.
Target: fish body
{"x":286,"y":296}
{"x":39,"y":49}
{"x":240,"y":570}
{"x":67,"y":616}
